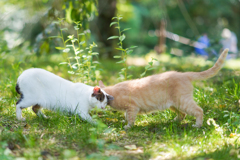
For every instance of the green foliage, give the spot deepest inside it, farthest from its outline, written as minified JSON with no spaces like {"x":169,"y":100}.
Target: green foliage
{"x":125,"y":52}
{"x":5,"y":153}
{"x":148,"y":67}
{"x":80,"y":10}
{"x":81,"y":60}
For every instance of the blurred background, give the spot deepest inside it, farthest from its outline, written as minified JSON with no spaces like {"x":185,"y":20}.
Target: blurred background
{"x":178,"y":27}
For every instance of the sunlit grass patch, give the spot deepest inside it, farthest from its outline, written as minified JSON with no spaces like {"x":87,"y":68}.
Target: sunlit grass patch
{"x":155,"y":135}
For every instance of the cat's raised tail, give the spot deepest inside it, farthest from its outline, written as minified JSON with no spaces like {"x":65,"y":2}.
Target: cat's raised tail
{"x":210,"y":72}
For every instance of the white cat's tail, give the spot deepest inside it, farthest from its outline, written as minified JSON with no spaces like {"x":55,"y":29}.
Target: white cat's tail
{"x":210,"y":72}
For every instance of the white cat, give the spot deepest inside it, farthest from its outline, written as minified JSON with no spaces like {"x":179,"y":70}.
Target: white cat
{"x":42,"y":89}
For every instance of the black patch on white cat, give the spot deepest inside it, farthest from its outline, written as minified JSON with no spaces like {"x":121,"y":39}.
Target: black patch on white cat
{"x":35,"y":108}
{"x":99,"y":96}
{"x":19,"y":92}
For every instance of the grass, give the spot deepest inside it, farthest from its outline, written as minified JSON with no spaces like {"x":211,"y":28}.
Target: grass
{"x":154,"y":136}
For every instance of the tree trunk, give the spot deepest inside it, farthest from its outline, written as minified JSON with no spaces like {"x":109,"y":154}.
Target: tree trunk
{"x":106,"y":11}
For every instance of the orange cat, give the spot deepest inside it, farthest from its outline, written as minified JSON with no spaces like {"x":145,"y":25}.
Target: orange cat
{"x":171,"y":89}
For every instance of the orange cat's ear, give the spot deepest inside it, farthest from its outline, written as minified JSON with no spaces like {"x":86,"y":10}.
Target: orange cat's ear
{"x":101,"y":84}
{"x":96,"y":90}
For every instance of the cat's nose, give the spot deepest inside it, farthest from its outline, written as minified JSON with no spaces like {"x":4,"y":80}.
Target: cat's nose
{"x":102,"y":107}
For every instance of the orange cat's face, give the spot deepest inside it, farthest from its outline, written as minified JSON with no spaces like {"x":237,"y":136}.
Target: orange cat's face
{"x":169,"y":90}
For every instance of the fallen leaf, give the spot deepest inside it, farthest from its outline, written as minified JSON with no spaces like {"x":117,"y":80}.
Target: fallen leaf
{"x":112,"y":119}
{"x":18,"y":147}
{"x":131,"y":147}
{"x":27,"y":126}
{"x":232,"y":135}
{"x":122,"y":132}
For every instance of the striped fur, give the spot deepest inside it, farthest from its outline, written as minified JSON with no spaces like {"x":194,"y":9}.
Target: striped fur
{"x":169,"y":90}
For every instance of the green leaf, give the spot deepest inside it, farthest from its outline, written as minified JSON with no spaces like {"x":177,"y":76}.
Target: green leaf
{"x":120,"y":49}
{"x":122,"y":61}
{"x":133,"y":47}
{"x":76,"y":27}
{"x":114,"y":18}
{"x":66,"y":50}
{"x":70,"y":36}
{"x":117,"y":56}
{"x":67,"y":40}
{"x":120,"y":78}
{"x":154,"y":59}
{"x":129,"y":51}
{"x":77,"y":52}
{"x":122,"y":37}
{"x":150,"y":63}
{"x":63,"y":29}
{"x":81,"y":43}
{"x":129,"y":76}
{"x":119,"y":18}
{"x":147,"y":66}
{"x":143,"y":74}
{"x":81,"y":34}
{"x":123,"y":69}
{"x":152,"y":68}
{"x":71,"y":72}
{"x":113,"y":23}
{"x":63,"y":63}
{"x":113,"y":37}
{"x":55,"y":37}
{"x":56,"y":22}
{"x":60,"y":48}
{"x":95,"y":53}
{"x":74,"y":40}
{"x":125,"y":29}
{"x":131,"y":67}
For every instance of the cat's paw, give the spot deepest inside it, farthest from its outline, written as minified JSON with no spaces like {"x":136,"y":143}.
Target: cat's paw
{"x":23,"y":119}
{"x":46,"y":117}
{"x":127,"y":126}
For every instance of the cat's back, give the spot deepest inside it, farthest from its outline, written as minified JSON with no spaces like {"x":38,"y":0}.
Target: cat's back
{"x":35,"y":72}
{"x":39,"y":74}
{"x":36,"y":77}
{"x":153,"y":80}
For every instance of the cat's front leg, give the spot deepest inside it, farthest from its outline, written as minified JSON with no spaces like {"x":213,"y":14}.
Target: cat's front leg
{"x":86,"y":117}
{"x":19,"y":114}
{"x":130,"y":116}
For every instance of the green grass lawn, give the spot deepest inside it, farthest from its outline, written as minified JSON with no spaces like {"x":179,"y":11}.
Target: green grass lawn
{"x":154,"y":136}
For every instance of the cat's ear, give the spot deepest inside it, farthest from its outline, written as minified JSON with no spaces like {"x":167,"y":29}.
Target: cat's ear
{"x":101,"y":84}
{"x":96,"y":91}
{"x":110,"y":98}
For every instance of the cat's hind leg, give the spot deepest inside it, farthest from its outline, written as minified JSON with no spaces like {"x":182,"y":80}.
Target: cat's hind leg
{"x":190,"y":107}
{"x":180,"y":115}
{"x":130,"y":115}
{"x":38,"y":110}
